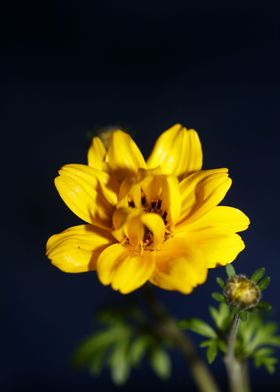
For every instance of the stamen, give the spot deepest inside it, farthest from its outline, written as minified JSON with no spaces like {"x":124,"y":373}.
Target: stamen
{"x":164,"y":216}
{"x":143,"y":200}
{"x":153,"y":205}
{"x":148,"y":237}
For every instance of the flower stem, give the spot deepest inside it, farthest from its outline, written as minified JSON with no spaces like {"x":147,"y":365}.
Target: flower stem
{"x":167,"y":328}
{"x":236,"y":370}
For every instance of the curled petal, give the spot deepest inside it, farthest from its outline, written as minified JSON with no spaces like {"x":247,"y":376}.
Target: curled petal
{"x":171,"y":199}
{"x":77,"y":248}
{"x":127,"y":225}
{"x":124,"y":157}
{"x":89,"y":193}
{"x":179,"y":266}
{"x":178,"y":151}
{"x":130,"y":192}
{"x":124,"y":269}
{"x":156,"y":225}
{"x":96,"y":154}
{"x":134,"y":224}
{"x":202,"y":191}
{"x":152,"y":187}
{"x":134,"y":229}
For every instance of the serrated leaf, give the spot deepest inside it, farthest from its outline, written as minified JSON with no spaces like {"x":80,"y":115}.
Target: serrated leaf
{"x":198,"y":326}
{"x":264,"y":283}
{"x":160,"y":363}
{"x":218,"y":297}
{"x":220,"y":282}
{"x":268,"y":362}
{"x":257,"y":275}
{"x":220,"y":316}
{"x":230,"y":271}
{"x":264,"y":352}
{"x":256,"y":334}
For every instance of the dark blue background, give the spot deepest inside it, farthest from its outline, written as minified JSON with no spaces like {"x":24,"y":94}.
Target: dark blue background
{"x":70,"y":67}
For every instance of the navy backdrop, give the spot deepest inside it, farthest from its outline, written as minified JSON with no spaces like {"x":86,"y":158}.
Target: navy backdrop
{"x":68,"y":68}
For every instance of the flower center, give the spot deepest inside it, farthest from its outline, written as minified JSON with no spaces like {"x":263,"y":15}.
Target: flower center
{"x":154,"y":206}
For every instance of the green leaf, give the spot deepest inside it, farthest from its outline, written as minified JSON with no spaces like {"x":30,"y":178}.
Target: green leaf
{"x":264,"y":359}
{"x":198,"y":326}
{"x":119,"y":363}
{"x":212,"y":349}
{"x":263,"y":352}
{"x":218,"y":297}
{"x":222,"y":345}
{"x":97,"y":361}
{"x":257,"y":275}
{"x":264,"y":283}
{"x":243,"y":316}
{"x":230,"y":271}
{"x":160,"y":363}
{"x":220,"y":282}
{"x":138,"y":349}
{"x":270,"y":363}
{"x":92,"y":346}
{"x":263,"y":305}
{"x":212,"y":352}
{"x":221,"y":316}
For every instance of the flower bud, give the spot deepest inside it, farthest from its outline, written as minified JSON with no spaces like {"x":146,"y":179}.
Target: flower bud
{"x":242,"y":292}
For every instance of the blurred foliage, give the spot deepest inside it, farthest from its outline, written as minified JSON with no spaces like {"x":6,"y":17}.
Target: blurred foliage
{"x":125,"y":338}
{"x":256,"y":337}
{"x":126,"y":335}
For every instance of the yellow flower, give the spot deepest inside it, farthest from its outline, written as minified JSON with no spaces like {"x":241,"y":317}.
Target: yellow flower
{"x":154,"y":221}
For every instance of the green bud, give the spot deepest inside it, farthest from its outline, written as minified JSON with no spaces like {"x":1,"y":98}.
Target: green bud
{"x":242,"y":292}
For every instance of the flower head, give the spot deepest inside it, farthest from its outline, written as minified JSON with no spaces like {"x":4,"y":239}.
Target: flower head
{"x":242,"y":292}
{"x":156,"y":220}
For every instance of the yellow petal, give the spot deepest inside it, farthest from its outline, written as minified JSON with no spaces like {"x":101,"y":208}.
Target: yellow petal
{"x":102,"y":181}
{"x":77,"y":248}
{"x":130,"y":193}
{"x":178,"y":151}
{"x":124,"y":157}
{"x":127,"y":224}
{"x":125,"y":270}
{"x":223,"y":217}
{"x":171,"y":199}
{"x":96,"y":154}
{"x":89,"y":193}
{"x":219,"y":246}
{"x":156,"y":225}
{"x":202,"y":191}
{"x":152,"y":187}
{"x":134,"y":228}
{"x":179,"y":267}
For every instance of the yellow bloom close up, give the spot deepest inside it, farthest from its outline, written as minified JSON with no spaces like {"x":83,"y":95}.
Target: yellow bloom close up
{"x":156,"y":220}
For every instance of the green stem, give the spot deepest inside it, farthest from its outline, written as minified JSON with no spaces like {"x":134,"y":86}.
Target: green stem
{"x":167,"y":329}
{"x":237,"y":371}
